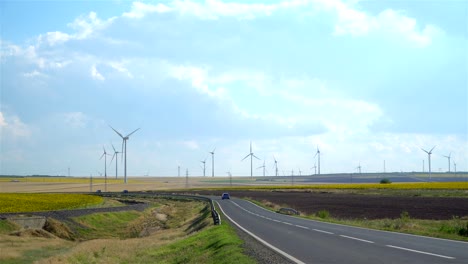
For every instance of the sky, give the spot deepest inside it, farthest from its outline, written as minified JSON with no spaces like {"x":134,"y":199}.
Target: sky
{"x":366,"y":82}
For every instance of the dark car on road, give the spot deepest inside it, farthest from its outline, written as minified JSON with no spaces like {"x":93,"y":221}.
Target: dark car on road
{"x":225,"y":196}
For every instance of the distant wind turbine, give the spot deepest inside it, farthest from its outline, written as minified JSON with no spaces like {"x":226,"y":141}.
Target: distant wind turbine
{"x":212,"y":162}
{"x":315,"y":168}
{"x":251,"y":159}
{"x":115,"y":155}
{"x":104,"y":154}
{"x":429,"y":153}
{"x":124,"y":149}
{"x":276,"y":166}
{"x":317,"y":154}
{"x":448,"y":157}
{"x":263,"y":166}
{"x":204,"y":167}
{"x":359,"y":168}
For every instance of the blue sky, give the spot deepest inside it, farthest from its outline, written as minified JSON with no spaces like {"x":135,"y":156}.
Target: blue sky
{"x":365,"y":81}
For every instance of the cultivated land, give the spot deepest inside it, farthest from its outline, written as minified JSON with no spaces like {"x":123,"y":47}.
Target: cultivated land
{"x":437,"y":209}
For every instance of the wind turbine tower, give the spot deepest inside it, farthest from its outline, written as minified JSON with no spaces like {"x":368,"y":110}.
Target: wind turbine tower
{"x":204,"y":167}
{"x":251,"y":159}
{"x":429,"y":153}
{"x":276,"y":166}
{"x":317,"y":154}
{"x":263,"y":166}
{"x":448,"y":157}
{"x":212,"y":162}
{"x":105,"y":167}
{"x":115,"y":155}
{"x":124,"y":149}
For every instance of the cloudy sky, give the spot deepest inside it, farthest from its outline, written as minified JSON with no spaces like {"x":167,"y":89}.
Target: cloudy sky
{"x":365,"y":81}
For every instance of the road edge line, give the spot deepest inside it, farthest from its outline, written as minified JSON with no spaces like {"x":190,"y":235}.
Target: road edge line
{"x":364,"y":228}
{"x":279,"y":251}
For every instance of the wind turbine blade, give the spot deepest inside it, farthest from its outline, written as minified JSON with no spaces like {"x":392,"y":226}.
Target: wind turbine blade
{"x":113,"y":148}
{"x":213,"y":150}
{"x":250,"y":146}
{"x":121,"y":156}
{"x":425,"y":150}
{"x":255,"y":156}
{"x":113,"y":158}
{"x":116,"y":132}
{"x":101,"y":156}
{"x":432,"y":149}
{"x":133,"y":132}
{"x":245,"y":157}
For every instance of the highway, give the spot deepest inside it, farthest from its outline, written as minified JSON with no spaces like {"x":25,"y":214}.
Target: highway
{"x":307,"y":241}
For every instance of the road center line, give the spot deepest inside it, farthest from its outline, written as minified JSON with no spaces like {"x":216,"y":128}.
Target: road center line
{"x":286,"y":223}
{"x":321,"y":231}
{"x":261,"y":240}
{"x":358,"y":239}
{"x":421,"y":252}
{"x":304,"y":227}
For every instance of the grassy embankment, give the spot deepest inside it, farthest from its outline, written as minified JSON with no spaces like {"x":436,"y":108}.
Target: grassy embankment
{"x":168,"y":232}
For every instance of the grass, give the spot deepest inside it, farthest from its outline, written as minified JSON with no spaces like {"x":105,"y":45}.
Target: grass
{"x":217,"y":244}
{"x":7,"y":227}
{"x":26,"y":202}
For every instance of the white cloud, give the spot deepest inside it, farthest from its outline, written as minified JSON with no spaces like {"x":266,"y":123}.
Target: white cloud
{"x":140,"y":9}
{"x":95,"y":74}
{"x":12,"y":128}
{"x":120,"y":67}
{"x":56,"y":37}
{"x":190,"y":144}
{"x":75,"y":119}
{"x":86,"y":26}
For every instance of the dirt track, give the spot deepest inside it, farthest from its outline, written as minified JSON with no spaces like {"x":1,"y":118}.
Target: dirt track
{"x":352,"y":206}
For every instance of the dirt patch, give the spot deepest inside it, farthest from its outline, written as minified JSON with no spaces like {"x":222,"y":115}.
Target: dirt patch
{"x":33,"y":233}
{"x":354,"y":206}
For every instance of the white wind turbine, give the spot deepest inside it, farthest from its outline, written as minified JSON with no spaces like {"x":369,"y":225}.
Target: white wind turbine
{"x":115,"y":155}
{"x":124,"y":149}
{"x":204,"y":167}
{"x":104,"y":154}
{"x":251,"y":159}
{"x":276,"y":166}
{"x":263,"y":166}
{"x":212,"y":161}
{"x":317,"y":154}
{"x":429,"y":153}
{"x":448,"y":157}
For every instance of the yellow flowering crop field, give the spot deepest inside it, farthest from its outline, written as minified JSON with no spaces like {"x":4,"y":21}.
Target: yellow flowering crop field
{"x":33,"y":202}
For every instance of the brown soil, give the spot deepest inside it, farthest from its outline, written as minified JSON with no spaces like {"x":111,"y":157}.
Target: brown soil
{"x":354,"y":206}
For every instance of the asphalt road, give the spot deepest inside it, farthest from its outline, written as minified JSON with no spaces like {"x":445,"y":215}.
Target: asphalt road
{"x":307,"y":241}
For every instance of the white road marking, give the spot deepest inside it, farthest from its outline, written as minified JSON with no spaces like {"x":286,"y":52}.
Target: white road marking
{"x":421,"y":252}
{"x":286,"y":223}
{"x":286,"y":255}
{"x":358,"y":239}
{"x":321,"y":231}
{"x":304,"y":227}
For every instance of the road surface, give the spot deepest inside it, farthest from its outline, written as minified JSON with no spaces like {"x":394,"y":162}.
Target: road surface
{"x":307,"y":241}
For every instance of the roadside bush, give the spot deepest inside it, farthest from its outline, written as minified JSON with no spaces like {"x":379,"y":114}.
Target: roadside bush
{"x":456,"y":226}
{"x":385,"y":181}
{"x":324,"y":214}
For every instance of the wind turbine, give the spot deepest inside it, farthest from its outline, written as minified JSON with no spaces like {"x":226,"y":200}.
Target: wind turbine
{"x":317,"y":154}
{"x":429,"y":153}
{"x":115,"y":155}
{"x":315,"y":168}
{"x":212,"y":162}
{"x":204,"y":167}
{"x":124,"y":149}
{"x":276,"y":166}
{"x":104,"y":154}
{"x":359,"y":168}
{"x":263,"y":166}
{"x":251,"y":159}
{"x":448,"y":157}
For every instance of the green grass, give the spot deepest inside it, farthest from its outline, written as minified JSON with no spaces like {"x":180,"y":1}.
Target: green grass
{"x":106,"y":225}
{"x":7,"y":227}
{"x":217,"y":244}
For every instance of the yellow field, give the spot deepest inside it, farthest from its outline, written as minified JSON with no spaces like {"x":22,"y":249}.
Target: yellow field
{"x":22,"y":202}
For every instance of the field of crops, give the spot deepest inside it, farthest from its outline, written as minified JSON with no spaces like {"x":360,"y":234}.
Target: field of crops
{"x":60,"y":179}
{"x":25,"y":202}
{"x":356,"y":186}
